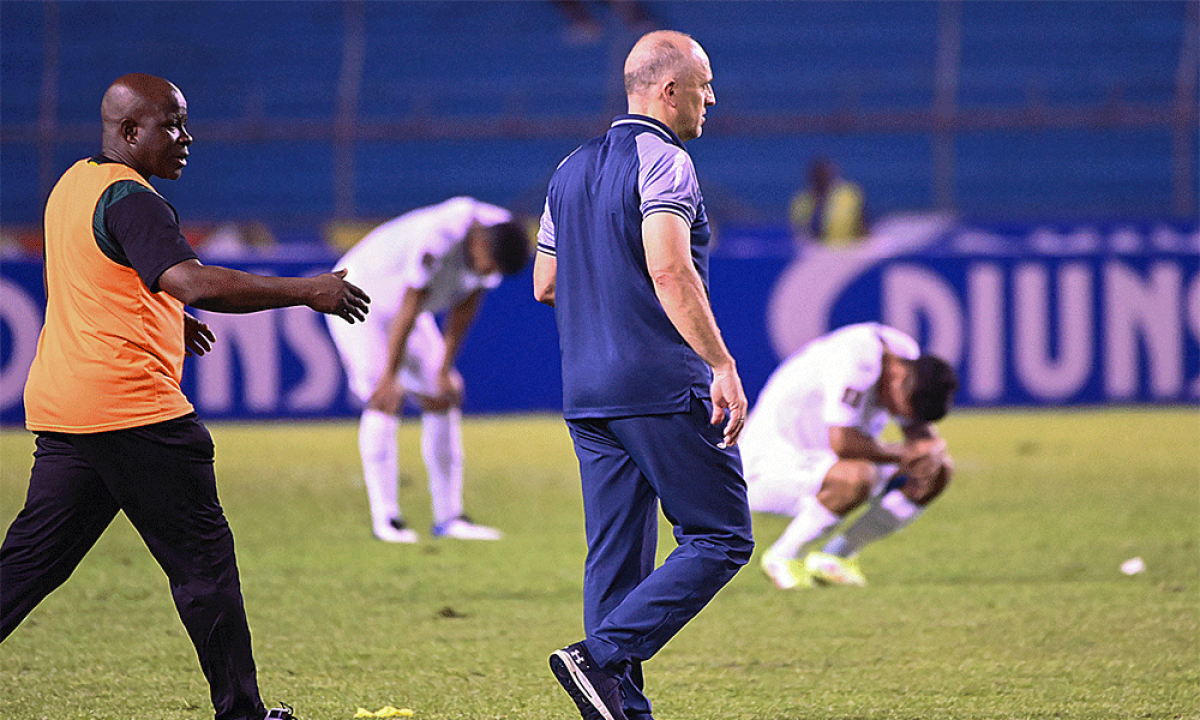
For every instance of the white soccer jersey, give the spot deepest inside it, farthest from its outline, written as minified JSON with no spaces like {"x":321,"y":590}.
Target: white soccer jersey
{"x":830,"y":382}
{"x":421,"y":249}
{"x":424,"y":248}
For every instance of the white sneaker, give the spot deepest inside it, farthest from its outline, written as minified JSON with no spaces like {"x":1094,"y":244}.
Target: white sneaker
{"x":461,"y":528}
{"x":786,"y":573}
{"x":829,"y":569}
{"x":395,"y":530}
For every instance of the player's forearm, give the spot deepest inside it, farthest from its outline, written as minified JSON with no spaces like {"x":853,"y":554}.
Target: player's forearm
{"x":852,"y":444}
{"x":458,"y":322}
{"x":401,"y":327}
{"x":398,"y":333}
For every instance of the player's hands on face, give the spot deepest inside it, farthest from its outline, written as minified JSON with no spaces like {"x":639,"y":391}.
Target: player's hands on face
{"x":728,"y":397}
{"x":386,"y":397}
{"x":334,"y":296}
{"x":923,"y":458}
{"x":197,"y":337}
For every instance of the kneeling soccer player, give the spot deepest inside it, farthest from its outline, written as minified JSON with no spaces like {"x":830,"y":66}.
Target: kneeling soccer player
{"x":812,"y":449}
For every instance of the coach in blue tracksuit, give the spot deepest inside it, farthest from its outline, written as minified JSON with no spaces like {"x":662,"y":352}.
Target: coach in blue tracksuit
{"x":647,"y":380}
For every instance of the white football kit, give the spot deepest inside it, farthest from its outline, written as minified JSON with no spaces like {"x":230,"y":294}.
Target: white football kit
{"x":830,"y":382}
{"x":424,"y":249}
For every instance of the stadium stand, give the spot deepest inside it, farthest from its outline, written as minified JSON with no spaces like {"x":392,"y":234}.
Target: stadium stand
{"x":310,"y":111}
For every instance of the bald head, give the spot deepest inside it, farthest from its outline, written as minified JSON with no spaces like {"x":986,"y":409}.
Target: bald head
{"x":145,"y":125}
{"x":668,"y":78}
{"x":657,"y":56}
{"x":132,"y":95}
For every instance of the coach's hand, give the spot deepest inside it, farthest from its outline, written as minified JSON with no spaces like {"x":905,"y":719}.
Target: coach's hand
{"x":334,"y":296}
{"x":728,"y":396}
{"x":197,"y":337}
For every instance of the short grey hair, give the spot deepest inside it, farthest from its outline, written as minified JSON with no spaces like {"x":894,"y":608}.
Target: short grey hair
{"x":664,"y":59}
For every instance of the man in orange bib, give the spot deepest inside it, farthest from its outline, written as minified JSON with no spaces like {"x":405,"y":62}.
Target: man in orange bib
{"x":114,"y":431}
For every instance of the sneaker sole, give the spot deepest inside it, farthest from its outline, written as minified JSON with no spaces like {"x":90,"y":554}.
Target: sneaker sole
{"x":581,"y":690}
{"x":397,"y":539}
{"x":464,"y":536}
{"x":828,"y":579}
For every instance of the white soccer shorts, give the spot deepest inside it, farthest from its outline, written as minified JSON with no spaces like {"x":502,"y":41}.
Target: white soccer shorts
{"x":777,"y":481}
{"x":363,"y":349}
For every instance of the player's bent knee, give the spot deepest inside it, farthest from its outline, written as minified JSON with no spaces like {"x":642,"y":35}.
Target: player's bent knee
{"x":847,"y":485}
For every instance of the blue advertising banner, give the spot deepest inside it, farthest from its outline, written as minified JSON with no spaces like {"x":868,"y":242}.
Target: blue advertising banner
{"x":1030,"y":315}
{"x":283,"y":364}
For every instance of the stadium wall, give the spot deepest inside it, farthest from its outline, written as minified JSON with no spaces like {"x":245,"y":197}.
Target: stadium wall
{"x":1031,"y":315}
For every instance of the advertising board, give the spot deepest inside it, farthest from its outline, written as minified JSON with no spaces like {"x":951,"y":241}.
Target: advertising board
{"x":1031,"y":315}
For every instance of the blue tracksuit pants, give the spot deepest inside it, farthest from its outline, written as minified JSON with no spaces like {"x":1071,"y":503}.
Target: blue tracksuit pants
{"x":628,"y":466}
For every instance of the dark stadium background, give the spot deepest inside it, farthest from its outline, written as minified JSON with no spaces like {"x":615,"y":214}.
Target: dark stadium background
{"x":1064,"y":133}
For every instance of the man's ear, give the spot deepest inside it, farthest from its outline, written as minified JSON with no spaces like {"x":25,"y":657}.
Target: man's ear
{"x":129,"y":131}
{"x":669,"y":92}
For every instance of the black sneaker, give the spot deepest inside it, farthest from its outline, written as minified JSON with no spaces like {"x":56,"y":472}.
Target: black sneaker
{"x":395,"y":530}
{"x":597,"y":693}
{"x":280,"y":713}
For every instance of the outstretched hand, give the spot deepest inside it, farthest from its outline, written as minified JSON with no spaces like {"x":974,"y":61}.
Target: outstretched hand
{"x":334,"y":296}
{"x":728,"y":397}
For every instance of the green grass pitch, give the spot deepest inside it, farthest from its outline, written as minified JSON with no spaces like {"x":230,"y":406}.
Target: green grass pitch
{"x":1004,"y":601}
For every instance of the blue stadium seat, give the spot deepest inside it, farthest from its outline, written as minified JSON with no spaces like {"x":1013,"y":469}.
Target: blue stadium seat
{"x":472,"y":68}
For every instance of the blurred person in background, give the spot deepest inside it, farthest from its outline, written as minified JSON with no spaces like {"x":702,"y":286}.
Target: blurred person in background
{"x":647,"y":380}
{"x":584,"y":28}
{"x":437,"y":259}
{"x":812,"y":448}
{"x":830,"y":210}
{"x":115,"y":432}
{"x":237,"y":241}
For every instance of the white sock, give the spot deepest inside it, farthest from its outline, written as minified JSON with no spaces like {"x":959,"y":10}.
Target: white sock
{"x":885,"y":515}
{"x":813,"y":520}
{"x":380,"y":461}
{"x":442,"y":448}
